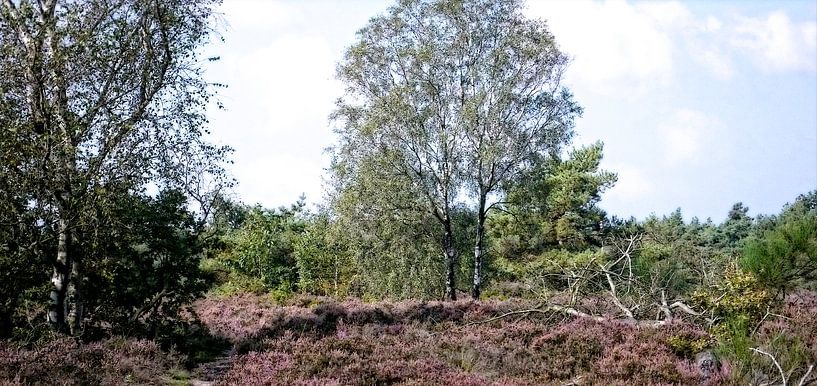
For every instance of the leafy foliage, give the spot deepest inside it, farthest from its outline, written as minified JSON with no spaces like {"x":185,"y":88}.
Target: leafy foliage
{"x":143,"y":264}
{"x":449,"y":97}
{"x":554,"y":205}
{"x":325,"y":264}
{"x":395,"y":246}
{"x":263,"y":247}
{"x":100,"y":97}
{"x":785,"y":257}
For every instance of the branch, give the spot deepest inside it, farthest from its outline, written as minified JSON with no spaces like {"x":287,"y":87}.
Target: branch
{"x":575,"y":312}
{"x":535,"y":309}
{"x":780,"y":369}
{"x":614,"y":297}
{"x":685,"y":308}
{"x":569,"y":311}
{"x":149,"y":304}
{"x":664,"y":307}
{"x":766,"y":315}
{"x":805,"y":377}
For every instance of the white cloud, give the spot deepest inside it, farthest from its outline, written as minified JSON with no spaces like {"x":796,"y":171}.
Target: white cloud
{"x":716,"y":61}
{"x":259,"y":14}
{"x":627,"y":49}
{"x":712,"y":24}
{"x":618,"y":48}
{"x":293,"y":77}
{"x":280,"y":95}
{"x":632,"y":186}
{"x":776,"y":43}
{"x":689,"y":136}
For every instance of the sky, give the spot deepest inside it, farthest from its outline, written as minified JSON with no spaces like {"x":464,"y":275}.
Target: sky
{"x":699,"y":104}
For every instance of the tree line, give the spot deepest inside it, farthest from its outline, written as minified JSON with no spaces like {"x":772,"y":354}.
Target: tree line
{"x":453,"y":171}
{"x":99,"y":100}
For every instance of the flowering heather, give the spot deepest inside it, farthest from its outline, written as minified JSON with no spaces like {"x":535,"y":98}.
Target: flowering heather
{"x":112,"y":362}
{"x":791,"y":335}
{"x":430,"y":343}
{"x":798,"y":318}
{"x":247,"y":316}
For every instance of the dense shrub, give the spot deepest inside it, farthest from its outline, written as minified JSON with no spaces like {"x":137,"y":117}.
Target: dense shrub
{"x":112,"y":362}
{"x":320,"y":341}
{"x":786,"y":256}
{"x":325,"y":265}
{"x":142,"y":267}
{"x":262,"y":247}
{"x":739,"y":297}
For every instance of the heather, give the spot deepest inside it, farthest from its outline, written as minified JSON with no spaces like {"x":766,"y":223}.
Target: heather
{"x":415,"y":342}
{"x":322,"y":341}
{"x":113,"y":361}
{"x":318,"y":340}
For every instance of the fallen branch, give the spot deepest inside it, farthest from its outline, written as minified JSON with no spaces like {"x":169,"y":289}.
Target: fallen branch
{"x":685,"y":308}
{"x":573,"y":312}
{"x":535,"y":309}
{"x":805,"y":377}
{"x":780,"y":369}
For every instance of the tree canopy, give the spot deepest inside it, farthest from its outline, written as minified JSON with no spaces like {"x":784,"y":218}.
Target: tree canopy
{"x":99,"y":97}
{"x":454,"y":98}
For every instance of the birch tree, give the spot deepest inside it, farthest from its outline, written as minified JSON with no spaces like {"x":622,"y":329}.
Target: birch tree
{"x":463,"y":94}
{"x":105,"y":92}
{"x":512,"y":106}
{"x":398,"y":110}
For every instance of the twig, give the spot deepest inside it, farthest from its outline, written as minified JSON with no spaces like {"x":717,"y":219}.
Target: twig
{"x":780,"y":369}
{"x":805,"y":377}
{"x":685,"y":308}
{"x":766,"y":315}
{"x":507,"y":314}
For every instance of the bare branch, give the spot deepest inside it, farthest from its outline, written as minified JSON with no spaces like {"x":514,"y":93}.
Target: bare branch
{"x":780,"y":369}
{"x":805,"y":377}
{"x":683,"y":307}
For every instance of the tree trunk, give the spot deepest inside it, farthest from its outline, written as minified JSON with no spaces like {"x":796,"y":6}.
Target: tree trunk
{"x":479,"y":251}
{"x":74,"y":298}
{"x":60,"y":278}
{"x":65,"y":309}
{"x":450,"y":262}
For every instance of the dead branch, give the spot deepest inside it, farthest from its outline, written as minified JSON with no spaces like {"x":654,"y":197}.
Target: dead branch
{"x":615,"y":298}
{"x":782,"y":374}
{"x":683,"y":307}
{"x":785,"y":381}
{"x":535,"y":309}
{"x":554,"y":308}
{"x":805,"y":377}
{"x":620,"y":286}
{"x":765,"y":316}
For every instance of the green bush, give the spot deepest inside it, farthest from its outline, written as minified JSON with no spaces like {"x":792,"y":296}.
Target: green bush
{"x":261,"y":249}
{"x":785,"y":257}
{"x":325,"y":266}
{"x":142,"y":262}
{"x":738,"y":297}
